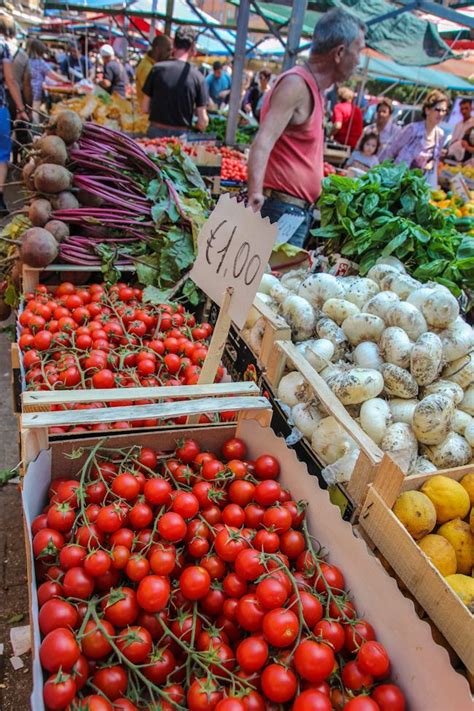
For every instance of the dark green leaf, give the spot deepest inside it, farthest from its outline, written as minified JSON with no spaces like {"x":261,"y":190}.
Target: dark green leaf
{"x":394,"y":243}
{"x":153,"y":295}
{"x":450,"y":285}
{"x":370,"y":204}
{"x":431,"y":270}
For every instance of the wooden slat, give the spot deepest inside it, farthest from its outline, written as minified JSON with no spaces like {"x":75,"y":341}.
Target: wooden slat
{"x":416,"y":480}
{"x":63,"y":418}
{"x":276,"y":329}
{"x":58,"y":397}
{"x":389,"y":480}
{"x":422,"y":579}
{"x":331,"y":402}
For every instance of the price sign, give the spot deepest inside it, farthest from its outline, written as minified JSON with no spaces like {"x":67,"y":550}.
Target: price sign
{"x":459,"y":187}
{"x":234,"y":247}
{"x":287,"y":226}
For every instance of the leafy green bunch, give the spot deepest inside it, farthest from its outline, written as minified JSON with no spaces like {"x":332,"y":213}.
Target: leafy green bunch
{"x":388,"y":211}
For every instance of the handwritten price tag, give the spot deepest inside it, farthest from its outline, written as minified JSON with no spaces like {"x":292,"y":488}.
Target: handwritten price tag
{"x":234,"y":247}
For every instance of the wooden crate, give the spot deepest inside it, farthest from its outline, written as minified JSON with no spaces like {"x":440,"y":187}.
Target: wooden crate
{"x":275,"y":329}
{"x":374,"y":465}
{"x":420,"y":666}
{"x":37,"y":416}
{"x":31,"y":277}
{"x":412,"y":566}
{"x":285,"y":356}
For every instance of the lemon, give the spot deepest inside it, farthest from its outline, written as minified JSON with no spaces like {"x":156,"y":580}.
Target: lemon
{"x":416,"y":512}
{"x":459,"y":534}
{"x":441,"y":553}
{"x":463,"y":586}
{"x":449,"y":498}
{"x":471,"y":520}
{"x":468,"y":483}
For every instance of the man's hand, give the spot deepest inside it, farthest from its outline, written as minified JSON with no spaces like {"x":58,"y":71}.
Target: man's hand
{"x":256,"y":201}
{"x":22,"y":116}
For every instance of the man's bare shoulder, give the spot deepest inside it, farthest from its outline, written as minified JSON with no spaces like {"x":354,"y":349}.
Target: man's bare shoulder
{"x":290,"y":89}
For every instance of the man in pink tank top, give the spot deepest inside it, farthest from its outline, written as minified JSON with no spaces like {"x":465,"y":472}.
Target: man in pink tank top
{"x":286,"y":159}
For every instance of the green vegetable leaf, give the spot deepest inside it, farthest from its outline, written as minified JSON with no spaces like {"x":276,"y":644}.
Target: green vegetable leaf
{"x":431,"y":270}
{"x":11,"y":295}
{"x":192,"y":293}
{"x":148,"y":269}
{"x":153,"y":295}
{"x":454,"y":288}
{"x":370,"y":204}
{"x":394,"y":243}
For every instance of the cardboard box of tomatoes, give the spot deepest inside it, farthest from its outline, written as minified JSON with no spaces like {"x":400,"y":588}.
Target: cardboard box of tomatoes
{"x":286,"y":630}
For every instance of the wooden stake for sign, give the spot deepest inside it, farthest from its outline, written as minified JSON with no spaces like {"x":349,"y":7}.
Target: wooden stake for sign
{"x":217,"y":345}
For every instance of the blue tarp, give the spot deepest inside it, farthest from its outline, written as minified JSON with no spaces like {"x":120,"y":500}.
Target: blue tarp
{"x":386,"y":70}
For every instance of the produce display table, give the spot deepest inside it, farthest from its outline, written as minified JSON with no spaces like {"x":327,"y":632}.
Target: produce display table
{"x":144,"y":369}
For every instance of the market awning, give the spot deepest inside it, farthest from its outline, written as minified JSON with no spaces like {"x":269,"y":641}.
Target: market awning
{"x":386,"y":70}
{"x":406,"y":38}
{"x":215,"y":41}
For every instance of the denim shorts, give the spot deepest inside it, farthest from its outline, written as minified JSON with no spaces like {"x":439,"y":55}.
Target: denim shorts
{"x":5,"y":135}
{"x":274,"y":209}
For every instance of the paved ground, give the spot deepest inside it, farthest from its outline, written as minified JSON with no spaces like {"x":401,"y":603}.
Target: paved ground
{"x":15,"y":686}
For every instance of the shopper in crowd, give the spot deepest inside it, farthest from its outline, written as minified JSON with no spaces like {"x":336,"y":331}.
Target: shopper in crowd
{"x":468,"y":146}
{"x":115,"y":77}
{"x":40,"y":69}
{"x":286,"y":159}
{"x":75,"y":66}
{"x":365,"y":157}
{"x":7,"y":82}
{"x":419,"y":144}
{"x":383,"y":126}
{"x":159,"y":51}
{"x":347,"y":119}
{"x":218,"y":84}
{"x":175,"y":91}
{"x":257,"y":92}
{"x":22,"y":74}
{"x":456,"y":150}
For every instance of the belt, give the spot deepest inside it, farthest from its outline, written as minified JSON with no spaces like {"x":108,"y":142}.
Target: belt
{"x":182,"y":129}
{"x":286,"y":197}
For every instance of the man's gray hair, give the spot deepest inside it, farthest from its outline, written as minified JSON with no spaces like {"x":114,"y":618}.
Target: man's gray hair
{"x":335,"y":27}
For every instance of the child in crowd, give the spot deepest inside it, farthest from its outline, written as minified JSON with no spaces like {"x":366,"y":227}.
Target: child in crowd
{"x":365,"y":157}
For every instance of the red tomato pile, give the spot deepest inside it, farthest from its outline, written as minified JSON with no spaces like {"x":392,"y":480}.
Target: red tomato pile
{"x":98,"y":337}
{"x":328,"y":169}
{"x":190,"y":582}
{"x":234,"y":166}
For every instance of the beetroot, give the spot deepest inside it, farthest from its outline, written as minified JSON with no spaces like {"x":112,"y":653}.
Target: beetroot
{"x":39,"y":212}
{"x":68,"y":126}
{"x":52,"y":150}
{"x":58,"y":229}
{"x":65,"y":200}
{"x":38,"y":248}
{"x":51,"y":178}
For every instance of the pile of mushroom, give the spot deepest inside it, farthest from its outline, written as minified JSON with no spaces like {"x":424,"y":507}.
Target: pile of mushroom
{"x":394,"y":351}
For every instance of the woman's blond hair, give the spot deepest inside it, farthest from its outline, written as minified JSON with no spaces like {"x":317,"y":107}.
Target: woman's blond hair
{"x":434,"y":97}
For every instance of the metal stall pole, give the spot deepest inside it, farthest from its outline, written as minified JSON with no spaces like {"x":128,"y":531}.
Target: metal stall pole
{"x":237,"y":71}
{"x":154,"y":7}
{"x":295,"y":28}
{"x":169,"y":16}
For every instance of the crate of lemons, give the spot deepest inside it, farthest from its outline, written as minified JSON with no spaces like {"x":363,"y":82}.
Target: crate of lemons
{"x":440,"y":517}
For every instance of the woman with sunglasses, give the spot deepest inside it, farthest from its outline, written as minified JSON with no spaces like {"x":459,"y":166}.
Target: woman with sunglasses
{"x":420,"y":144}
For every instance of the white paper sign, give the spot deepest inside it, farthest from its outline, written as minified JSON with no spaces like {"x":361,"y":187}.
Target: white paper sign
{"x":234,"y":247}
{"x":287,"y":226}
{"x":459,"y":187}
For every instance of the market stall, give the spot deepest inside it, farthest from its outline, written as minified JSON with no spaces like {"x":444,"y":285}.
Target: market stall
{"x":202,"y":561}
